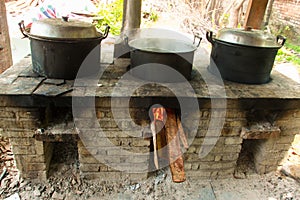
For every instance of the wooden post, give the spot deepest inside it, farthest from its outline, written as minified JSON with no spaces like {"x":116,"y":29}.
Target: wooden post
{"x":5,"y":48}
{"x":131,"y":20}
{"x":131,"y":14}
{"x":255,"y":13}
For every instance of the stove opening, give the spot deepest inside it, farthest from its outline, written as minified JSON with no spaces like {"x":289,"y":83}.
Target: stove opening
{"x":246,"y":160}
{"x":64,"y":159}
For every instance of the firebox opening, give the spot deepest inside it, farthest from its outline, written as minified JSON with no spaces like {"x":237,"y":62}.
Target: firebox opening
{"x":245,"y":163}
{"x":64,"y":158}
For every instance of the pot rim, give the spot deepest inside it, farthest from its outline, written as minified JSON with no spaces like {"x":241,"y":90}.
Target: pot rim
{"x":26,"y":33}
{"x":277,"y":43}
{"x":134,"y":43}
{"x":244,"y":45}
{"x":65,"y":40}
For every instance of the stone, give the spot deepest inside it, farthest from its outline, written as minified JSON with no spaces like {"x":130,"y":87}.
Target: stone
{"x":78,"y":192}
{"x":160,"y":178}
{"x":14,"y":183}
{"x":13,"y":197}
{"x":239,"y":175}
{"x":58,"y":196}
{"x":135,"y":187}
{"x":73,"y":182}
{"x":28,"y":188}
{"x":149,"y":189}
{"x":23,"y":183}
{"x":4,"y":183}
{"x":292,"y":170}
{"x":37,"y":193}
{"x":51,"y":81}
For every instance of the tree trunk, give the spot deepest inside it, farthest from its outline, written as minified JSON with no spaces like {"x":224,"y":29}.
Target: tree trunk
{"x":269,"y":11}
{"x":210,"y":6}
{"x":234,"y":16}
{"x":131,"y":14}
{"x":5,"y":48}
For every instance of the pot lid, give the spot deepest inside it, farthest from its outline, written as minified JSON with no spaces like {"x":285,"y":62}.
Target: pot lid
{"x":64,"y":28}
{"x":161,"y":45}
{"x":248,"y":37}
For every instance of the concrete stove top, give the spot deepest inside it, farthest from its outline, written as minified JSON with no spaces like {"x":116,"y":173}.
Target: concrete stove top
{"x":21,"y":80}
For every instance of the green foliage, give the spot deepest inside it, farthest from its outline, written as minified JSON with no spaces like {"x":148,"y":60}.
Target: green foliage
{"x":111,"y":14}
{"x":293,"y":47}
{"x":153,"y":16}
{"x":289,"y":53}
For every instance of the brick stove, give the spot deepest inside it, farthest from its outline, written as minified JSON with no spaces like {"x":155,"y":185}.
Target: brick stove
{"x":36,"y":113}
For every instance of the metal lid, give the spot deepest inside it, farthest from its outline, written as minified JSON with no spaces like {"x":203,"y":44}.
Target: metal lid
{"x":248,"y":37}
{"x":64,"y":28}
{"x":161,"y":45}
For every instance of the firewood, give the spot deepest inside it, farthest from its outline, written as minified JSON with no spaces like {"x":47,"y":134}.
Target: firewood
{"x":175,"y":154}
{"x":152,"y":127}
{"x":177,"y":169}
{"x":160,"y":139}
{"x":3,"y":174}
{"x":182,"y":134}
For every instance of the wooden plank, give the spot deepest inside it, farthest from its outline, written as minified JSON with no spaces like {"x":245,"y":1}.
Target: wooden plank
{"x":5,"y":47}
{"x":255,"y":13}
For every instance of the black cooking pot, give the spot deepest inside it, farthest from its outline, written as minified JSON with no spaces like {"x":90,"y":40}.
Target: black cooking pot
{"x":243,"y":55}
{"x":59,"y":46}
{"x":162,"y":59}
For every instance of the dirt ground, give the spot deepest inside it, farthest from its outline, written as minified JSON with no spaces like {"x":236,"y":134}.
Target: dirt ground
{"x":65,"y":183}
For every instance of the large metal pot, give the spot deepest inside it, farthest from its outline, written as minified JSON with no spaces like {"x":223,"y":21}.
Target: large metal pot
{"x":162,"y":59}
{"x":59,"y":46}
{"x":243,"y":55}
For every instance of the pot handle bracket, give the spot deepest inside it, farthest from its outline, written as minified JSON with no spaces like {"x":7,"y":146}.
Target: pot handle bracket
{"x":280,"y":40}
{"x":209,"y":37}
{"x":199,"y":37}
{"x":22,"y":28}
{"x":107,"y":28}
{"x":125,"y":38}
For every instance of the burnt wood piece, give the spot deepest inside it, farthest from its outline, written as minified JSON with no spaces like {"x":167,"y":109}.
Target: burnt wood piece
{"x":162,"y":151}
{"x":175,"y":154}
{"x":182,"y":134}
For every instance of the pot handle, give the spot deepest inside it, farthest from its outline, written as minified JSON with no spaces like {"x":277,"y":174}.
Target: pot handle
{"x":106,"y":31}
{"x":280,"y":40}
{"x":209,"y":37}
{"x":125,"y":38}
{"x":22,"y":28}
{"x":199,"y":37}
